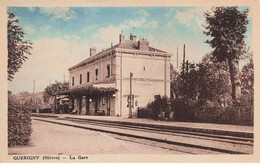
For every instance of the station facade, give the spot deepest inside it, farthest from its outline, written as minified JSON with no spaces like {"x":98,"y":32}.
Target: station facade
{"x":101,"y":83}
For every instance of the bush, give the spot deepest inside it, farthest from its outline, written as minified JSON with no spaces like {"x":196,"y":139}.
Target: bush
{"x":190,"y":111}
{"x":182,"y":111}
{"x":158,"y":109}
{"x":143,"y":113}
{"x":236,"y":115}
{"x":19,"y":123}
{"x":225,"y":115}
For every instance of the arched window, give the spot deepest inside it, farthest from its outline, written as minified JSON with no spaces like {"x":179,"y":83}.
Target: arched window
{"x":87,"y":76}
{"x":108,"y":70}
{"x":96,"y":73}
{"x":80,"y":79}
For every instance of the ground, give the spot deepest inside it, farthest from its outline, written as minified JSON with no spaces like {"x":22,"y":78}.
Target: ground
{"x":53,"y":139}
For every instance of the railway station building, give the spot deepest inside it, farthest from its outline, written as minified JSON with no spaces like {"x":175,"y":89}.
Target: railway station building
{"x":101,"y":84}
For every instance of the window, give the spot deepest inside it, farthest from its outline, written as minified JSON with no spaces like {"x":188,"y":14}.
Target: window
{"x":108,"y":70}
{"x":87,"y":76}
{"x":72,"y":81}
{"x":103,"y":101}
{"x":96,"y":72}
{"x":80,"y":79}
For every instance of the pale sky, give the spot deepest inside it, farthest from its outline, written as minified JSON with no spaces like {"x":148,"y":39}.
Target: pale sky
{"x":62,"y":36}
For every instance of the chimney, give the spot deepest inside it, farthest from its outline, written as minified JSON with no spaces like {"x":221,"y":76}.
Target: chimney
{"x":132,"y":37}
{"x":121,"y":37}
{"x":92,"y":51}
{"x":143,"y":44}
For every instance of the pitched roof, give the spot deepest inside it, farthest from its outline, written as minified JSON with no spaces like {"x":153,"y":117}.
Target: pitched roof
{"x":133,"y":45}
{"x":127,"y":44}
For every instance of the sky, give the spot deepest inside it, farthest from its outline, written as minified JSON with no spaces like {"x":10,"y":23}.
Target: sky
{"x":62,"y":36}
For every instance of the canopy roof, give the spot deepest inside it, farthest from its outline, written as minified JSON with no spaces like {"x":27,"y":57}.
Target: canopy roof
{"x":89,"y":91}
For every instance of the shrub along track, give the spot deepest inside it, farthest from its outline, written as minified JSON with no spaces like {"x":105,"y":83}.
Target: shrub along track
{"x":183,"y":141}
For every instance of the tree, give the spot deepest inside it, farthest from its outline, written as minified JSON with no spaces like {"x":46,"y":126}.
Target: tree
{"x":205,"y":82}
{"x":227,"y":27}
{"x":247,"y":83}
{"x":17,"y":47}
{"x":31,"y":101}
{"x":213,"y":83}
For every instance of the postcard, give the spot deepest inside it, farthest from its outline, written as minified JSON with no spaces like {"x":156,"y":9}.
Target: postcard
{"x":129,"y":81}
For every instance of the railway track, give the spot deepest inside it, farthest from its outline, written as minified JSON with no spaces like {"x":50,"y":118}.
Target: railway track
{"x":165,"y":131}
{"x":183,"y":141}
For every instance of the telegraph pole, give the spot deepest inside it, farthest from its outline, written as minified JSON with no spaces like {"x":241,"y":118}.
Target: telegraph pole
{"x":183,"y":61}
{"x":177,"y":57}
{"x":183,"y":71}
{"x":130,"y":104}
{"x":187,"y":72}
{"x":33,"y":86}
{"x":111,"y":59}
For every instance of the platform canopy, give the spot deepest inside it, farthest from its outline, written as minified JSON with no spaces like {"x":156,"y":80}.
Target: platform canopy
{"x":89,"y":91}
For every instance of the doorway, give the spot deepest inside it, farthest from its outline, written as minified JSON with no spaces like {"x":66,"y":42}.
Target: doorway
{"x":108,"y":106}
{"x":80,"y":104}
{"x":87,"y":106}
{"x":96,"y":105}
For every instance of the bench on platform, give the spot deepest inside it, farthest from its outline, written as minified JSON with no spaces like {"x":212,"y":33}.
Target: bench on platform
{"x":100,"y":112}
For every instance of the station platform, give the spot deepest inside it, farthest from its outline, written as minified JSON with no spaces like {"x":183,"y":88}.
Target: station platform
{"x":219,"y":129}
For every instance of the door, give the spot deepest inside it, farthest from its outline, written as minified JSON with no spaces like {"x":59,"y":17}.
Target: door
{"x":87,"y":106}
{"x":108,"y":106}
{"x":96,"y":105}
{"x":80,"y":105}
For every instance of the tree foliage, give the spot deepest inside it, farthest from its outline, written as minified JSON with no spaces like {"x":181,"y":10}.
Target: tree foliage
{"x":54,"y":88}
{"x":155,"y":109}
{"x":30,"y":101}
{"x":202,"y":94}
{"x":247,"y":83}
{"x":204,"y":82}
{"x":227,"y":27}
{"x":213,"y":80}
{"x":17,"y":47}
{"x":19,"y":124}
{"x":19,"y":121}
